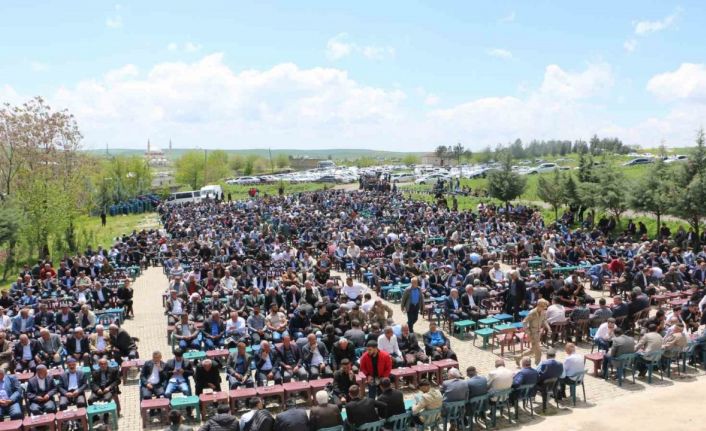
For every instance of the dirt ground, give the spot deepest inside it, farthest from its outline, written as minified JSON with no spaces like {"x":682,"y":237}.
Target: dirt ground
{"x":675,"y":407}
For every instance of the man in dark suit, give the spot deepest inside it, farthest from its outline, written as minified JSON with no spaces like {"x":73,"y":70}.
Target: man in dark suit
{"x":65,"y":320}
{"x":526,"y":376}
{"x":515,"y":295}
{"x":179,"y":371}
{"x":267,"y":365}
{"x":292,"y":420}
{"x":123,"y":344}
{"x":477,"y":385}
{"x":342,"y":349}
{"x":72,"y":386}
{"x":454,"y":306}
{"x":343,"y":379}
{"x":77,"y":346}
{"x":549,"y":368}
{"x":324,"y":414}
{"x":40,"y":392}
{"x":26,"y":353}
{"x":314,"y":358}
{"x":469,"y":305}
{"x":43,"y":318}
{"x":207,"y":377}
{"x":359,"y":410}
{"x":101,"y":296}
{"x":153,"y":378}
{"x":391,"y":398}
{"x":238,"y":368}
{"x":290,"y":360}
{"x":105,"y":382}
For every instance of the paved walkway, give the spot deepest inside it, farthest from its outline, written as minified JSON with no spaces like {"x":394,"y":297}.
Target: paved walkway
{"x":149,"y":326}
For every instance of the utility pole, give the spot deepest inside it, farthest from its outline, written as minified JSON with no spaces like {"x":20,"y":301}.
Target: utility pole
{"x":205,"y":167}
{"x":272,"y":167}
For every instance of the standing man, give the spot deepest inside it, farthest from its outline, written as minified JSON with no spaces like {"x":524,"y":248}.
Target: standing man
{"x":535,"y":321}
{"x":375,"y":364}
{"x":516,"y":293}
{"x":412,"y":302}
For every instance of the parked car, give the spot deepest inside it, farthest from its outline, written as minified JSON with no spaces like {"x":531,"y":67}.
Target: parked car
{"x":677,"y":159}
{"x":432,"y":178}
{"x":401,"y":178}
{"x":544,"y":167}
{"x":638,"y":161}
{"x":244,"y":180}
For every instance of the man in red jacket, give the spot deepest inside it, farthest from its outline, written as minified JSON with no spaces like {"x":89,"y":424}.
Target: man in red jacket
{"x":375,"y":364}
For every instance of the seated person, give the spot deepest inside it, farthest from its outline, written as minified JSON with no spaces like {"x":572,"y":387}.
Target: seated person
{"x":454,"y":307}
{"x":549,"y":369}
{"x":236,"y":329}
{"x":290,"y":360}
{"x":65,"y":320}
{"x":122,"y":343}
{"x":361,"y":410}
{"x":267,"y":365}
{"x":409,"y":346}
{"x":99,"y":344}
{"x":49,"y":348}
{"x":77,"y":346}
{"x":299,"y":324}
{"x":238,"y":368}
{"x":392,"y":398}
{"x":207,"y":376}
{"x":23,"y":323}
{"x":315,"y":358}
{"x":342,"y":349}
{"x":387,"y":341}
{"x":105,"y":383}
{"x":323,"y":414}
{"x":429,"y":399}
{"x":647,"y":348}
{"x":175,"y":307}
{"x":178,"y":372}
{"x":525,"y":376}
{"x":72,"y":386}
{"x":256,"y":325}
{"x":44,"y":319}
{"x":455,"y":388}
{"x":276,"y":323}
{"x":10,"y":396}
{"x":26,"y":353}
{"x":621,"y":344}
{"x":187,"y":335}
{"x":86,"y":318}
{"x":40,"y":392}
{"x":343,"y":379}
{"x":153,"y":378}
{"x":437,"y":345}
{"x":213,"y":331}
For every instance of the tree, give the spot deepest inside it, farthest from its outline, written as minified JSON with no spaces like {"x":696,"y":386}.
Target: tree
{"x":216,"y":166}
{"x":689,"y":195}
{"x":281,"y":161}
{"x":9,"y":228}
{"x":237,"y":163}
{"x":410,"y":159}
{"x":571,"y":193}
{"x":612,"y":192}
{"x":441,"y":152}
{"x":189,"y":169}
{"x":504,"y":184}
{"x":652,"y":193}
{"x":551,"y":191}
{"x":459,"y":152}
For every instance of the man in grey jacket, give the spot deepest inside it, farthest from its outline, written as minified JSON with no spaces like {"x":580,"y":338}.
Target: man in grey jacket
{"x":315,"y":358}
{"x":622,"y":344}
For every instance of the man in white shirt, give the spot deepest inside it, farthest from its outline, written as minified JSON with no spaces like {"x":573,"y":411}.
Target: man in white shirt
{"x":604,"y":334}
{"x":500,"y":378}
{"x":236,"y":328}
{"x":556,"y":312}
{"x":353,"y":291}
{"x":573,"y":365}
{"x":387,"y":341}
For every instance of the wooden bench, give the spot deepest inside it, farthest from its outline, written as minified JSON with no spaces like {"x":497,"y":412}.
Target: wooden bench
{"x":71,"y":415}
{"x":240,"y":394}
{"x":292,"y":389}
{"x":212,"y":398}
{"x":271,"y":391}
{"x":45,"y":420}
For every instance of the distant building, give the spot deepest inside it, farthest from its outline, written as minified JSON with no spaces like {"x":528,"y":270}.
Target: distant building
{"x":155,"y":156}
{"x":302,"y":163}
{"x":433,"y":159}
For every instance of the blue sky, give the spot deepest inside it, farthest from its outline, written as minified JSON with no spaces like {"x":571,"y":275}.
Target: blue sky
{"x":395,"y":75}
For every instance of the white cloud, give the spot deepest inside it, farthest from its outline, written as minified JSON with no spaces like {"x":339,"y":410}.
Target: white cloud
{"x":188,"y":47}
{"x":630,"y":45}
{"x":595,"y":80}
{"x":687,"y":83}
{"x":340,"y":46}
{"x":500,"y":53}
{"x":431,"y":100}
{"x":643,"y":28}
{"x":509,"y":17}
{"x":116,"y":19}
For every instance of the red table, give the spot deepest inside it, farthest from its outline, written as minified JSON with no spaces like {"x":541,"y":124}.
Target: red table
{"x":219,"y":353}
{"x":444,"y":364}
{"x":240,"y":394}
{"x":597,"y":359}
{"x":293,"y":388}
{"x":212,"y":398}
{"x":11,"y":425}
{"x":71,"y":415}
{"x":423,"y":369}
{"x":404,"y":372}
{"x":159,"y":404}
{"x":318,"y":385}
{"x":271,"y":391}
{"x":25,"y":376}
{"x":45,"y":420}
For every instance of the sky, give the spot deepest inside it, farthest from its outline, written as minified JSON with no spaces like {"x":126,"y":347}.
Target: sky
{"x":393,"y":75}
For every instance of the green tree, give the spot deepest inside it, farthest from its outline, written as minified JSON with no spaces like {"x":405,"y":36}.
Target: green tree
{"x":442,"y":152}
{"x":281,"y":161}
{"x":9,"y":229}
{"x":237,"y":163}
{"x":410,"y":159}
{"x":459,"y":151}
{"x":189,"y":169}
{"x":689,"y":195}
{"x":504,"y":184}
{"x":571,"y":193}
{"x":550,"y":189}
{"x":217,"y":167}
{"x":652,"y":192}
{"x":612,"y":196}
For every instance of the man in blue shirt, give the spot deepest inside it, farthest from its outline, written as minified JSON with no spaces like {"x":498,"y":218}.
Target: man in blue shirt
{"x":10,"y":396}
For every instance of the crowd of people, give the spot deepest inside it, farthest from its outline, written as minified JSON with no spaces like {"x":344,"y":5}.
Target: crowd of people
{"x":56,"y":320}
{"x":261,"y":277}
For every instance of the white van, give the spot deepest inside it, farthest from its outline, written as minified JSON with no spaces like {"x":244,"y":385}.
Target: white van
{"x":211,"y":192}
{"x":183,"y":197}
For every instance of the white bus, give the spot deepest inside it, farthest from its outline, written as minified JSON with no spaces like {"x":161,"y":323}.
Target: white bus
{"x":184,"y":197}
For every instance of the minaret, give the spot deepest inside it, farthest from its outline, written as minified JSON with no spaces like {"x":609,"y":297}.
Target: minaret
{"x":170,"y":147}
{"x":148,"y":145}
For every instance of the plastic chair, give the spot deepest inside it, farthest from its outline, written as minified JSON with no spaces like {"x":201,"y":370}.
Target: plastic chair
{"x":686,"y":355}
{"x":431,"y":419}
{"x":399,"y":422}
{"x":371,"y":426}
{"x":624,"y":362}
{"x":336,"y":428}
{"x":524,"y":393}
{"x":477,"y":406}
{"x":454,"y":413}
{"x":573,"y":382}
{"x":654,"y":360}
{"x":544,"y":389}
{"x":499,"y":400}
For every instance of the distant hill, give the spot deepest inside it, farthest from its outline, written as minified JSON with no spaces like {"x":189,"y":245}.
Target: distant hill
{"x":337,"y":153}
